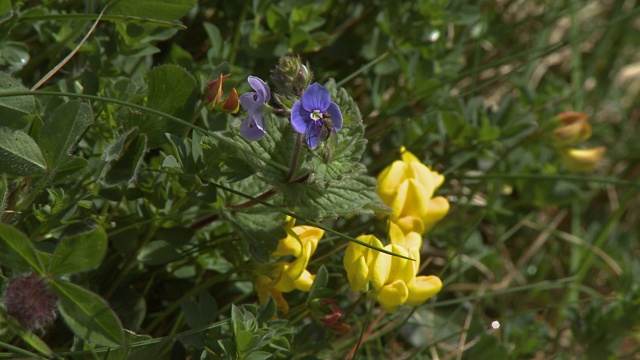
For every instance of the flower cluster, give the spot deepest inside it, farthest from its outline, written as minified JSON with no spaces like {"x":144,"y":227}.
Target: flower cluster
{"x":573,"y":127}
{"x":408,"y":186}
{"x":394,"y":279}
{"x":285,"y":276}
{"x":312,"y":111}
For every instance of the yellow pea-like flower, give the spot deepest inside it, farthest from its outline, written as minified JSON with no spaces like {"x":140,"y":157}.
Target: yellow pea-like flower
{"x":359,"y":261}
{"x":408,"y":187}
{"x":285,"y":276}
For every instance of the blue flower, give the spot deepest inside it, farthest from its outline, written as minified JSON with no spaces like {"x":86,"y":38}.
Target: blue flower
{"x":313,"y":112}
{"x":253,"y":127}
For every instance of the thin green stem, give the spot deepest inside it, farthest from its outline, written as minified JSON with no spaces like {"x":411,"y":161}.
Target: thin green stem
{"x":113,"y":18}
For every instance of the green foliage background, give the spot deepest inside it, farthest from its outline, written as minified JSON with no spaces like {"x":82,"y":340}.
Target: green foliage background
{"x":140,"y":206}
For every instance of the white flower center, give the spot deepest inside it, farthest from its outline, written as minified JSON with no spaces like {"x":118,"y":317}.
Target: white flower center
{"x":316,"y":115}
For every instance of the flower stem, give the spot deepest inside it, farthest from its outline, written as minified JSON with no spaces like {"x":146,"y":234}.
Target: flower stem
{"x":294,"y":158}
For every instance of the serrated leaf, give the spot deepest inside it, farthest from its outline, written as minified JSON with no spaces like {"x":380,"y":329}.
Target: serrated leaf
{"x":62,"y":131}
{"x":19,"y":154}
{"x":15,"y":110}
{"x":17,"y":252}
{"x":88,"y":315}
{"x":351,"y":196}
{"x":167,"y":10}
{"x":173,"y":91}
{"x":78,"y":253}
{"x":124,"y":169}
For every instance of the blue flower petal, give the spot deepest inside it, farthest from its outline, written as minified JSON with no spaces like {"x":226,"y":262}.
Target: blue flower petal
{"x":316,"y":97}
{"x":336,"y":116}
{"x":250,"y":102}
{"x":261,"y":88}
{"x":313,"y":133}
{"x":300,"y":118}
{"x":252,"y":127}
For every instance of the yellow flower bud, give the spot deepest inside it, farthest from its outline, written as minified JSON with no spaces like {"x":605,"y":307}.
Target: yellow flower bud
{"x":582,"y":159}
{"x":573,"y":127}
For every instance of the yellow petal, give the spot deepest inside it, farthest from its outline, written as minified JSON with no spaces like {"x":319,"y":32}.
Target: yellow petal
{"x":359,"y":261}
{"x":583,"y":159}
{"x":309,"y":234}
{"x":393,"y":295}
{"x":282,"y":304}
{"x":304,"y":282}
{"x":380,"y":272}
{"x":437,"y":210}
{"x":410,"y":224}
{"x":263,"y":284}
{"x":291,"y":245}
{"x":417,"y":200}
{"x":389,"y":180}
{"x":398,"y":237}
{"x":358,"y":275}
{"x":422,"y":289}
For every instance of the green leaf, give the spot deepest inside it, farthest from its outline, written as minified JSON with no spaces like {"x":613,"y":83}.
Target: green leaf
{"x":318,"y":288}
{"x":158,"y":252}
{"x":17,"y":252}
{"x":351,"y":196}
{"x":62,"y":131}
{"x":267,"y":311}
{"x":172,"y":91}
{"x":35,"y":342}
{"x":79,"y":253}
{"x":258,"y":355}
{"x":88,"y":315}
{"x":19,"y":154}
{"x":167,"y":10}
{"x":15,"y":110}
{"x":124,"y":168}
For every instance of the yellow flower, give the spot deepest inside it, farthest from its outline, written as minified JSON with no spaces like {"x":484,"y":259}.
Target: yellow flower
{"x":572,"y":127}
{"x":359,"y":260}
{"x":407,"y":186}
{"x":393,"y":278}
{"x":301,"y":242}
{"x":582,"y":159}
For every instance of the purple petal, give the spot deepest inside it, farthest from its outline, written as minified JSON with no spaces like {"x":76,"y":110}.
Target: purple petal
{"x":313,"y":133}
{"x":336,"y":116}
{"x":252,"y":127}
{"x":261,"y":88}
{"x":300,"y":118}
{"x":316,"y":97}
{"x":250,"y":102}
